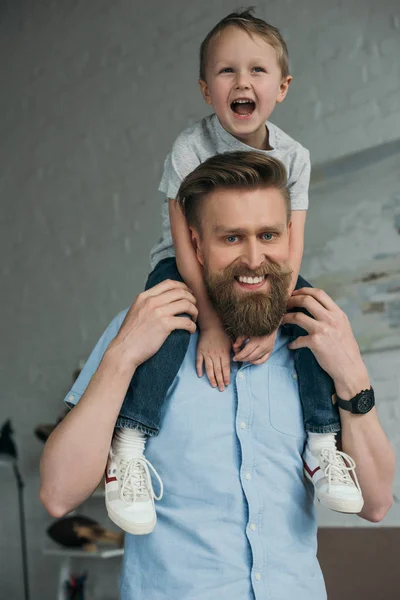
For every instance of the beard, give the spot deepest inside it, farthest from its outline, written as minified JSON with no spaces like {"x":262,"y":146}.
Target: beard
{"x":249,"y":314}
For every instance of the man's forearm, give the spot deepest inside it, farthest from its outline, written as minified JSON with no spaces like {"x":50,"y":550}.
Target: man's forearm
{"x":75,"y":454}
{"x":364,"y":440}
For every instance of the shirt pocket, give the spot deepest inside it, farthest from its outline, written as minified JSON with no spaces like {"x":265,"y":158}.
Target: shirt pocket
{"x":285,"y":410}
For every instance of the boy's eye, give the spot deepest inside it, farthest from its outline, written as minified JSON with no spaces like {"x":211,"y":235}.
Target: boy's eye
{"x":227,"y":70}
{"x":259,"y":69}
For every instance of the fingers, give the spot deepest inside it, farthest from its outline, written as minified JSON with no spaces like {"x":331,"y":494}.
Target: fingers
{"x":177,"y":308}
{"x":199,"y":363}
{"x":303,"y":341}
{"x":218,"y":374}
{"x":310,"y":304}
{"x":165,"y":286}
{"x":226,"y":369}
{"x":170,"y":296}
{"x":239,"y":343}
{"x":182,"y":323}
{"x":302,"y":320}
{"x":247,"y":351}
{"x":319,"y":295}
{"x":262,"y":359}
{"x":210,"y":370}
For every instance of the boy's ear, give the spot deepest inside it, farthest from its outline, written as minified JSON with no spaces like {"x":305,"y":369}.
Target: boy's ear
{"x":196,"y":245}
{"x":283,"y":88}
{"x":205,"y":91}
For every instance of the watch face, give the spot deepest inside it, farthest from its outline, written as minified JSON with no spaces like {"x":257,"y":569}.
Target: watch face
{"x":365,"y":402}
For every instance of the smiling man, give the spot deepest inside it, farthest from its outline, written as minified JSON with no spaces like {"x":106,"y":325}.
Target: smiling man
{"x":237,"y":521}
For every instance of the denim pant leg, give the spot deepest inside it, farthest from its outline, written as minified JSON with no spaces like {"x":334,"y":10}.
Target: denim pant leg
{"x":143,"y":403}
{"x":315,"y":386}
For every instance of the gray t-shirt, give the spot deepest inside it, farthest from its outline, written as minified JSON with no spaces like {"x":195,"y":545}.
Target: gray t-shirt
{"x":207,"y":138}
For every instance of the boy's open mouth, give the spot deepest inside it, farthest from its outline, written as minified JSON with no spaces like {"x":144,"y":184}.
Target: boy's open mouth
{"x":243,"y":107}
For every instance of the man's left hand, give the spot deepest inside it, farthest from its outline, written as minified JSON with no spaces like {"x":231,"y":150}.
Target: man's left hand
{"x":330,"y":338}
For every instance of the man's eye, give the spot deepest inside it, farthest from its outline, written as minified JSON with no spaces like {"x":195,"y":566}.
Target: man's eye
{"x":268,"y":236}
{"x":231,"y":239}
{"x":259,"y":69}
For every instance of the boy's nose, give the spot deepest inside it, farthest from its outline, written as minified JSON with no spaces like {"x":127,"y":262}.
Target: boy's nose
{"x":242,"y":82}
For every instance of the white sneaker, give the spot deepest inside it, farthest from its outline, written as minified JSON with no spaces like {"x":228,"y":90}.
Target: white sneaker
{"x":129,"y":491}
{"x":330,"y":471}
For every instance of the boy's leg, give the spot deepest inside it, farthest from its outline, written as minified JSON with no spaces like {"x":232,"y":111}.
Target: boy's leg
{"x":129,"y":492}
{"x":144,"y":400}
{"x":324,"y":465}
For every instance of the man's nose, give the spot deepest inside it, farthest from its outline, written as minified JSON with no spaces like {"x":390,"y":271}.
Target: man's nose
{"x":253,"y":255}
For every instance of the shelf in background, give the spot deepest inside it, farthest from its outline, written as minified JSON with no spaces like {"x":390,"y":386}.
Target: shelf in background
{"x":105,"y":552}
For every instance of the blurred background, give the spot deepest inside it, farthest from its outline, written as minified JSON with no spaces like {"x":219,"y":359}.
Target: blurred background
{"x":92,"y":96}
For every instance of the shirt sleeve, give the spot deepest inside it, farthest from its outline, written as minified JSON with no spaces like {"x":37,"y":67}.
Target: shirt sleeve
{"x":300,"y":181}
{"x":94,"y":360}
{"x":181,"y":161}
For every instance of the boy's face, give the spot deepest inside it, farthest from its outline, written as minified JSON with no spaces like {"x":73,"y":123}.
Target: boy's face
{"x":243,"y":68}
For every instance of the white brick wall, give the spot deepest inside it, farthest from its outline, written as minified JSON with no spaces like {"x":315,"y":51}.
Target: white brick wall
{"x":92,"y":95}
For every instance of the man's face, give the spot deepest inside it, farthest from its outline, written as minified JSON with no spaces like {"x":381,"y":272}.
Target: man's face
{"x":244,"y":83}
{"x":244,"y":248}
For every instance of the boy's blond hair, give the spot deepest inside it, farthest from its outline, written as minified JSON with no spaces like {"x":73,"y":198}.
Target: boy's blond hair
{"x":253,"y":26}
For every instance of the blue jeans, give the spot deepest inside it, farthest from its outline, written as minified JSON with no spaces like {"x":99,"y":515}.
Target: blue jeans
{"x":143,"y":403}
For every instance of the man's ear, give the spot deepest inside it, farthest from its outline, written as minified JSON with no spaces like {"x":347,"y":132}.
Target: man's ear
{"x":197,"y":245}
{"x":283,"y":88}
{"x":205,"y":91}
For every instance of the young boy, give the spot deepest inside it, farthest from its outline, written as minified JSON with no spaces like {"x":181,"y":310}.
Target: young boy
{"x":244,"y":73}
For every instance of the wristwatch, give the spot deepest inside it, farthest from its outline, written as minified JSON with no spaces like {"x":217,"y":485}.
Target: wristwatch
{"x":360,"y":404}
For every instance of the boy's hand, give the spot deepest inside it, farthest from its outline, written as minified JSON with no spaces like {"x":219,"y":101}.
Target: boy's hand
{"x":256,"y":351}
{"x":213,"y":351}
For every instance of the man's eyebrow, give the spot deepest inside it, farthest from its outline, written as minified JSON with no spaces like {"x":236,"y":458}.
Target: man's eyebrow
{"x":272,"y":228}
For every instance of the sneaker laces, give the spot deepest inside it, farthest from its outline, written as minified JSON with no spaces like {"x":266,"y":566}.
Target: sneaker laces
{"x":338,"y":467}
{"x":136,"y":480}
{"x":135,"y":476}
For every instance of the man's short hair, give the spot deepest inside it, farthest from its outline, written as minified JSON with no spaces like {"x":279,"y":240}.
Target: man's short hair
{"x":246,"y":21}
{"x":231,"y":170}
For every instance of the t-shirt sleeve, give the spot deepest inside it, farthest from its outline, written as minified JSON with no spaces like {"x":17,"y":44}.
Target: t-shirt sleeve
{"x":181,"y":161}
{"x":299,"y":180}
{"x":93,"y":361}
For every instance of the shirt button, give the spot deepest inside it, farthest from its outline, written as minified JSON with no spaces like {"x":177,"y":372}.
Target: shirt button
{"x":243,"y":425}
{"x":253,"y":526}
{"x":71,"y":397}
{"x":247,"y":476}
{"x":294,"y":375}
{"x":240,"y":375}
{"x":257,"y":576}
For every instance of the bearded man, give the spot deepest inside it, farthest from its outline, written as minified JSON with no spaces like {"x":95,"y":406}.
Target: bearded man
{"x":237,"y":520}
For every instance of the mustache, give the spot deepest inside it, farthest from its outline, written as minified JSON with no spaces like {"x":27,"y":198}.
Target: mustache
{"x":267,"y":268}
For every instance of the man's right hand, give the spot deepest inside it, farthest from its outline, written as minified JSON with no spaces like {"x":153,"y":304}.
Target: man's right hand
{"x":150,"y":320}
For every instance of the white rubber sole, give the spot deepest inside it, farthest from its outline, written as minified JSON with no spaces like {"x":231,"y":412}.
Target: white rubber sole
{"x":129,"y":527}
{"x":343,"y":505}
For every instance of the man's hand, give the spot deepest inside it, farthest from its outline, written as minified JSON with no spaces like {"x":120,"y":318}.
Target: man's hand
{"x":256,"y":351}
{"x":213,"y":351}
{"x":151,"y":318}
{"x":330,"y":338}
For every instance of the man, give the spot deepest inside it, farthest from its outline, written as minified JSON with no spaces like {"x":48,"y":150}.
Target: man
{"x":238,"y":520}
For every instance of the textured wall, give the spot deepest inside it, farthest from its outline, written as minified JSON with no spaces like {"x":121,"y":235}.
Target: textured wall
{"x":92,"y":96}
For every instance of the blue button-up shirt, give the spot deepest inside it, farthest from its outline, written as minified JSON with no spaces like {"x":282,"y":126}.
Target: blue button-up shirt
{"x":237,"y":520}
